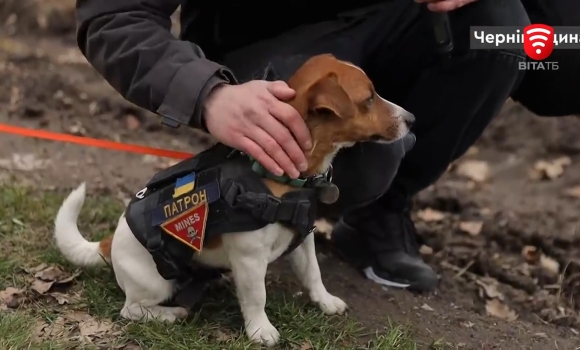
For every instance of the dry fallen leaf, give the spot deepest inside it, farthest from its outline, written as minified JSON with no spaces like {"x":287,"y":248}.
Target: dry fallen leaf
{"x":471,"y":151}
{"x":162,"y":165}
{"x":48,"y":276}
{"x":222,"y":336}
{"x":549,"y":265}
{"x":550,"y":169}
{"x":24,"y":162}
{"x":11,"y":298}
{"x":485,"y":212}
{"x":496,"y":308}
{"x":89,"y":327}
{"x":51,"y":273}
{"x":467,"y":324}
{"x":41,"y":286}
{"x":72,"y":56}
{"x":149,"y":159}
{"x":61,"y":298}
{"x":531,"y":254}
{"x":490,"y":290}
{"x":18,"y":222}
{"x":427,"y":307}
{"x":56,"y":274}
{"x":564,"y":161}
{"x":475,"y":170}
{"x":430,"y":215}
{"x":524,"y":269}
{"x":77,"y":316}
{"x":471,"y":227}
{"x":132,"y":347}
{"x":56,"y":330}
{"x":323,"y":228}
{"x":425,"y":250}
{"x":14,"y":97}
{"x":306,"y":346}
{"x":573,"y":192}
{"x":132,"y":122}
{"x":92,"y":327}
{"x":70,"y":278}
{"x":36,"y":268}
{"x":39,"y":332}
{"x":77,"y":129}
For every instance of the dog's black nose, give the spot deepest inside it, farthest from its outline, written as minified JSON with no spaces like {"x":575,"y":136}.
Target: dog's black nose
{"x":409,"y":119}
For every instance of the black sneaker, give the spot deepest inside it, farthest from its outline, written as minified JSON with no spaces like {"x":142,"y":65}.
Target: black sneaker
{"x":383,"y":245}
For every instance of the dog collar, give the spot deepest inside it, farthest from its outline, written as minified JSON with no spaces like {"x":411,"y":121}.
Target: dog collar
{"x":300,"y":182}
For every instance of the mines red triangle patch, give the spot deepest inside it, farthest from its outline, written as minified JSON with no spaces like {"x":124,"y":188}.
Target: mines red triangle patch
{"x":189,"y":226}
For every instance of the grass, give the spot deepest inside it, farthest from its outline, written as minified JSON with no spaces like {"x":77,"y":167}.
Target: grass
{"x":26,"y":218}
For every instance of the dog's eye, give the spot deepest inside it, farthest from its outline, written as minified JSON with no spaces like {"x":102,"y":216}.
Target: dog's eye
{"x":369,"y":101}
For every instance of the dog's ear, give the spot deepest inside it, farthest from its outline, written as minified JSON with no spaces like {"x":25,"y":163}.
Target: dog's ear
{"x":327,"y":97}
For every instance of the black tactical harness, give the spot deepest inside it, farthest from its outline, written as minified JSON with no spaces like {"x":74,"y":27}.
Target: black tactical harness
{"x":238,"y":200}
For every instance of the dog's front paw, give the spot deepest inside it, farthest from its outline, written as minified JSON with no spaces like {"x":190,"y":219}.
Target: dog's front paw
{"x":172,"y":314}
{"x":263,"y":333}
{"x":180,"y":312}
{"x":330,"y":304}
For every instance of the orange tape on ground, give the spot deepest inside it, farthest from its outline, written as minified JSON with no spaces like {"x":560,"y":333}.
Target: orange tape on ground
{"x":87,"y":141}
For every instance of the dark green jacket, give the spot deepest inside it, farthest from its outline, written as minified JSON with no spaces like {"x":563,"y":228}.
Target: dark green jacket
{"x":130,"y":44}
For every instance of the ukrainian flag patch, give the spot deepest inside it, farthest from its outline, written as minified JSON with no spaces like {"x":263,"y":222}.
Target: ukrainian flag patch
{"x":184,"y":185}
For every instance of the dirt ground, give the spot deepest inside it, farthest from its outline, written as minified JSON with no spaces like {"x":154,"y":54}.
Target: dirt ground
{"x":500,"y":226}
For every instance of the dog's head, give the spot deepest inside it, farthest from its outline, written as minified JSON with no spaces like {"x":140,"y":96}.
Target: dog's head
{"x":341,"y":107}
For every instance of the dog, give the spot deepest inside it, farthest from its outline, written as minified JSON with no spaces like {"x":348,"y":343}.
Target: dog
{"x":340,"y":107}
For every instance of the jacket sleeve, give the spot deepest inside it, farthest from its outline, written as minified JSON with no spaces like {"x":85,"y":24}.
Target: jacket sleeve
{"x":129,"y":42}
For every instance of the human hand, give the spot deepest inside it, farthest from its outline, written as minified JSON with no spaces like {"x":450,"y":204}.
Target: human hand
{"x":444,"y":5}
{"x":251,"y":117}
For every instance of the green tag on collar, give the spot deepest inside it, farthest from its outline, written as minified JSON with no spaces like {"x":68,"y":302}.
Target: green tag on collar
{"x":260,"y":170}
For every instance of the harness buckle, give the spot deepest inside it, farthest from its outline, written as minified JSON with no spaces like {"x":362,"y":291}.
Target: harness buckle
{"x":262,"y":206}
{"x":271,"y":208}
{"x":301,"y":213}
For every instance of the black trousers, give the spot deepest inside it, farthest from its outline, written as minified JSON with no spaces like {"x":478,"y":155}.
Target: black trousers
{"x":453,"y":98}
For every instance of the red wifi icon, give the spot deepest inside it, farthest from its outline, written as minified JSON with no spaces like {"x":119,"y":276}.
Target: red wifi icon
{"x":538,"y":41}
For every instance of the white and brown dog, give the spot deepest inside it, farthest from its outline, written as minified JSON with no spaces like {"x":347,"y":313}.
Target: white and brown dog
{"x":340,"y":107}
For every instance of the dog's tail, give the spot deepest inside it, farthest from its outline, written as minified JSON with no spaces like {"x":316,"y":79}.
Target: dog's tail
{"x":69,"y":239}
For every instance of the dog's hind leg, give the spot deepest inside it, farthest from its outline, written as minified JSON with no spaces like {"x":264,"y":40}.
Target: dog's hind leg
{"x":137,"y":275}
{"x":249,"y":273}
{"x":305,"y":266}
{"x":144,"y":291}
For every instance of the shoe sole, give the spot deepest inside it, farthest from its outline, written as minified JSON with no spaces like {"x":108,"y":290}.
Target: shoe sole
{"x":370,"y":274}
{"x":365,"y":266}
{"x":415,"y":287}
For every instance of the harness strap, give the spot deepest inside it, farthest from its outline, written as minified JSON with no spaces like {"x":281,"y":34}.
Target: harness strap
{"x":218,"y":153}
{"x":268,"y":208}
